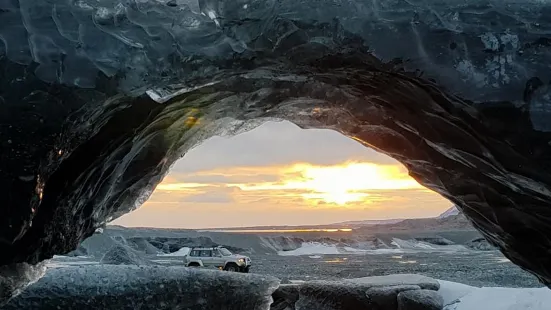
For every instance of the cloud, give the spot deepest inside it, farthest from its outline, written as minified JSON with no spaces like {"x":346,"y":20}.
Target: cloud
{"x":277,"y":143}
{"x":301,"y":183}
{"x":227,"y":176}
{"x":209,"y":197}
{"x":279,"y":174}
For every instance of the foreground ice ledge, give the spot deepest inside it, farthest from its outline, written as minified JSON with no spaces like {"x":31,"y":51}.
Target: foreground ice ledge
{"x":145,"y":287}
{"x":159,"y":287}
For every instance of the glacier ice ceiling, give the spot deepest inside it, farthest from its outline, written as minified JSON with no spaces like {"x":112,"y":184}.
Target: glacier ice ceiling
{"x":99,"y":98}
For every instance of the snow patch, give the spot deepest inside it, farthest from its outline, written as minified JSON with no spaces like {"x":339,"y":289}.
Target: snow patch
{"x":452,"y":291}
{"x":459,"y":296}
{"x":297,"y":281}
{"x":421,"y":246}
{"x":399,"y":247}
{"x":450,"y":212}
{"x":70,"y":257}
{"x":375,"y":251}
{"x":311,"y":248}
{"x":181,"y":252}
{"x":404,"y":244}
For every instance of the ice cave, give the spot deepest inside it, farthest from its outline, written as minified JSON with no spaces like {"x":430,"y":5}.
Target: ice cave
{"x":99,"y":98}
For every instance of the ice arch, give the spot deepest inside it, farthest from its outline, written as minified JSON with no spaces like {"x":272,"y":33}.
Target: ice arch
{"x":98,"y":99}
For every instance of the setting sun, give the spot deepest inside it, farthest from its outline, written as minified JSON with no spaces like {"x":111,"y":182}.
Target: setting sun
{"x":298,"y":177}
{"x":340,"y":184}
{"x":351,"y":184}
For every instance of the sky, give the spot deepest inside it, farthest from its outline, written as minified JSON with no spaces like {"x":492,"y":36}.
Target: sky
{"x":280,"y":174}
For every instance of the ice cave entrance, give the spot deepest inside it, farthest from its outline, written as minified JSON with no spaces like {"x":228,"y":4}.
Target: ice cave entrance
{"x":308,"y":204}
{"x":293,"y":178}
{"x":289,"y":208}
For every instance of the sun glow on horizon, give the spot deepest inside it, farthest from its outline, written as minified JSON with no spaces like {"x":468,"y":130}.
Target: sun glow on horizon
{"x":340,"y":184}
{"x":279,"y":175}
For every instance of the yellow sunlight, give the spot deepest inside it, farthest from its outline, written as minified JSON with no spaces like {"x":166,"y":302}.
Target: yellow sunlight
{"x":339,"y":184}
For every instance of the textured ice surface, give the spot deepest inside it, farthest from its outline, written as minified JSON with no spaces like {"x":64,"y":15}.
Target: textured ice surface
{"x":363,"y":293}
{"x":465,"y":44}
{"x":15,"y":278}
{"x":420,"y":300}
{"x":449,"y":88}
{"x":132,"y":287}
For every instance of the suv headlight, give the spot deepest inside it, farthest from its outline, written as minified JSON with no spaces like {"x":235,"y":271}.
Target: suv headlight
{"x":241,"y":261}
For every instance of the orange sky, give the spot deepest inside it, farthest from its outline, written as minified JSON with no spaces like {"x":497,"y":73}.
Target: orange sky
{"x":351,"y":183}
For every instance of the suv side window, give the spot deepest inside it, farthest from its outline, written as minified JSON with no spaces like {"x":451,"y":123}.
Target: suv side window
{"x":216,"y":253}
{"x":194,"y":253}
{"x":205,"y":253}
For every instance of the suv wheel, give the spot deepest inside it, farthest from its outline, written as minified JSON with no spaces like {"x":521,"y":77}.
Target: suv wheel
{"x":194,"y":265}
{"x":231,"y":267}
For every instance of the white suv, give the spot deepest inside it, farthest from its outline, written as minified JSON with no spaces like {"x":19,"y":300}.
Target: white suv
{"x":218,"y":257}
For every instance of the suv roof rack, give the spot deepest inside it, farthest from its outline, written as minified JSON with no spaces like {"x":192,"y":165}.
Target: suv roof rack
{"x":206,"y":247}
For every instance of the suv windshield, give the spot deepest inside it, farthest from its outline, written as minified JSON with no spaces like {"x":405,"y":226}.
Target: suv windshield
{"x":225,"y":252}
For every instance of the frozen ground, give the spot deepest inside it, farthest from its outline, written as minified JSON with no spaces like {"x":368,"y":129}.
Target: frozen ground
{"x":90,"y":286}
{"x":472,"y":267}
{"x":463,"y":297}
{"x":399,"y":246}
{"x":490,"y":269}
{"x":302,"y":259}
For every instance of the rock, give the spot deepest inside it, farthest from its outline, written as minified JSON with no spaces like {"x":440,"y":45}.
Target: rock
{"x":480,"y":244}
{"x":80,"y":251}
{"x":145,"y":287}
{"x":398,"y":279}
{"x":351,"y":294}
{"x":435,"y":240}
{"x":285,"y":297}
{"x":123,"y":255}
{"x":324,"y":295}
{"x":420,"y":300}
{"x":281,"y":243}
{"x":385,"y":297}
{"x":142,"y":245}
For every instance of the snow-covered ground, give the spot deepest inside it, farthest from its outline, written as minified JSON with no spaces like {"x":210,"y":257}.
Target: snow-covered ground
{"x":399,"y":246}
{"x":181,"y":252}
{"x":459,"y":296}
{"x":450,"y":212}
{"x":414,"y":245}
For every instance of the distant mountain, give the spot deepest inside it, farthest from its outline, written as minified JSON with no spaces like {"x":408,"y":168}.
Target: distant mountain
{"x":450,"y":219}
{"x":450,"y":212}
{"x":370,"y":222}
{"x":452,"y":222}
